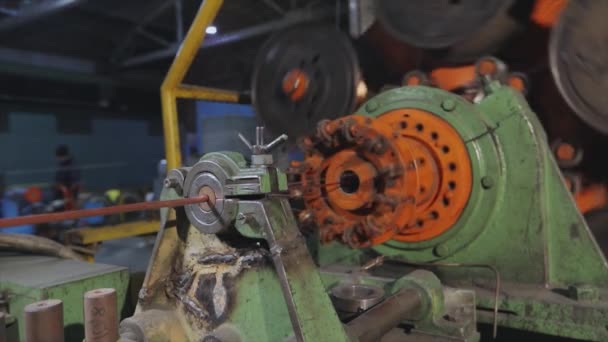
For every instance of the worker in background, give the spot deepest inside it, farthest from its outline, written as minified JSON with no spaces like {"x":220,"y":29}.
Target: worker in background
{"x":67,"y":177}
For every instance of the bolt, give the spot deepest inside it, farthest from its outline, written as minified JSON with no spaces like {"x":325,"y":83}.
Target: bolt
{"x":441,"y":250}
{"x":170,"y":183}
{"x":487,"y":182}
{"x":448,"y":105}
{"x":241,"y":218}
{"x":371,"y":106}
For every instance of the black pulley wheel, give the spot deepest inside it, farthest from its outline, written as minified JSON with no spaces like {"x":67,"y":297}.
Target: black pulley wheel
{"x":303,"y":75}
{"x":578,"y":53}
{"x":435,"y":24}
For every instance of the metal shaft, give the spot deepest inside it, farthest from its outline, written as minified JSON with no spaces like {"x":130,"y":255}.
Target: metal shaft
{"x":117,"y":209}
{"x":44,"y":321}
{"x":380,"y":319}
{"x":100,"y":316}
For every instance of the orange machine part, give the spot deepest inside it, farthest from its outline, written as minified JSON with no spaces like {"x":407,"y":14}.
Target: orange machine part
{"x":412,"y":177}
{"x":33,"y":195}
{"x":453,"y":78}
{"x":487,"y":66}
{"x":565,"y":151}
{"x":295,"y":84}
{"x":517,"y":82}
{"x":444,"y":172}
{"x":546,"y":12}
{"x":594,"y":196}
{"x":358,"y":181}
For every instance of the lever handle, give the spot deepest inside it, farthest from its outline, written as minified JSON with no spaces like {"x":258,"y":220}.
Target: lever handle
{"x":276,"y":142}
{"x":260,"y":147}
{"x":245,"y":141}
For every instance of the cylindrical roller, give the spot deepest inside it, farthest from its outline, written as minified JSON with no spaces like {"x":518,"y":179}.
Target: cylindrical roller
{"x":100,"y":316}
{"x":376,"y":322}
{"x":44,"y":321}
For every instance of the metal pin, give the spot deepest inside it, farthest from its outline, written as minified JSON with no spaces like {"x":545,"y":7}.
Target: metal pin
{"x":276,"y":142}
{"x":44,"y":321}
{"x":245,"y":141}
{"x":259,"y":135}
{"x":100,"y":315}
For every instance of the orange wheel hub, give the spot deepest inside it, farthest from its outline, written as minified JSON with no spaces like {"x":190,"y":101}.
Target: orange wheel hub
{"x":444,"y":172}
{"x":405,"y":175}
{"x":295,"y":84}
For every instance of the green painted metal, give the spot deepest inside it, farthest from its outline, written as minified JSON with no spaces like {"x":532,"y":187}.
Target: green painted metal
{"x":276,"y":297}
{"x":27,"y":279}
{"x":315,"y":313}
{"x":552,"y":312}
{"x":520,"y":219}
{"x":520,"y":213}
{"x":431,"y":317}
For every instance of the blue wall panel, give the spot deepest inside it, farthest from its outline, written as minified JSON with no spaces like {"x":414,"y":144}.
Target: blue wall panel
{"x":118,"y":152}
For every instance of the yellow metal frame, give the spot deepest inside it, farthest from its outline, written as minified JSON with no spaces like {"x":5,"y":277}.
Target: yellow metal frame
{"x":89,"y":236}
{"x":172,"y":87}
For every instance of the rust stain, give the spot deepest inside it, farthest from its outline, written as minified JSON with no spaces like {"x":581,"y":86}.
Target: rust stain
{"x":206,"y":288}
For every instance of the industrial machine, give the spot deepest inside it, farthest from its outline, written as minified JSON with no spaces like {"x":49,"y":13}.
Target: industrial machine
{"x":431,"y":214}
{"x":415,"y":218}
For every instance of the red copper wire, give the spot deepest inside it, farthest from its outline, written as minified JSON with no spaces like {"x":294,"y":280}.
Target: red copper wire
{"x":117,"y":209}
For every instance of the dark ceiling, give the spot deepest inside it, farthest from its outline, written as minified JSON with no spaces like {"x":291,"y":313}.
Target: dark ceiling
{"x":82,"y":50}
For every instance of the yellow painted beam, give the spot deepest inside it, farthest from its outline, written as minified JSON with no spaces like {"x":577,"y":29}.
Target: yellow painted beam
{"x":87,"y":236}
{"x":203,"y":93}
{"x":169,"y":89}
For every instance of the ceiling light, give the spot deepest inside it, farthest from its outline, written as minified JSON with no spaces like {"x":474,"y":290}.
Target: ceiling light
{"x":211,"y":30}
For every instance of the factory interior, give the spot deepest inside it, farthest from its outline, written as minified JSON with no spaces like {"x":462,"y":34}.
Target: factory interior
{"x":303,"y":170}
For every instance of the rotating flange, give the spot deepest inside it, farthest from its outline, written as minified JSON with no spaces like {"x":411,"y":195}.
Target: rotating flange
{"x":404,"y":175}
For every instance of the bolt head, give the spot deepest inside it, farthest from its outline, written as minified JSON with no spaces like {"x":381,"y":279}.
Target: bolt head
{"x":371,"y":106}
{"x":448,"y":105}
{"x":170,"y":183}
{"x":487,"y":182}
{"x":441,"y":250}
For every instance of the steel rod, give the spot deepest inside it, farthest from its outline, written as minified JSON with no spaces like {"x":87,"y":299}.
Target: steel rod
{"x":117,"y":209}
{"x":380,"y":319}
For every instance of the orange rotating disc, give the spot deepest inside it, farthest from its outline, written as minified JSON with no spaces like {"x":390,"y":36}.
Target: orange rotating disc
{"x":405,"y":175}
{"x":358,"y":185}
{"x":444,"y":172}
